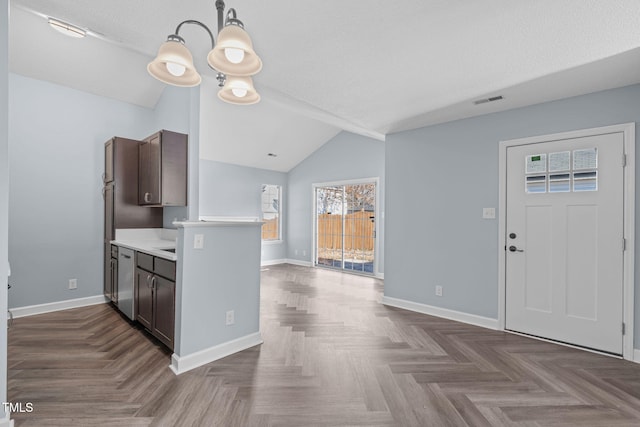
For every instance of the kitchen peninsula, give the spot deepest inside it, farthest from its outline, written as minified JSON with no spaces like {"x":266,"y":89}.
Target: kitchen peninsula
{"x":217,"y":286}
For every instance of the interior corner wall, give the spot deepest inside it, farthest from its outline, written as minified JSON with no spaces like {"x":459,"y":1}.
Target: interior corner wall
{"x":440,"y":177}
{"x":345,"y":157}
{"x":232,"y":190}
{"x":4,"y":194}
{"x":56,"y":149}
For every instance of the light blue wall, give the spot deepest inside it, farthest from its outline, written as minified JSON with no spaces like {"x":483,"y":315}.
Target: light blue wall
{"x":440,"y":177}
{"x":224,"y":275}
{"x":56,"y":145}
{"x":345,"y":157}
{"x":4,"y":191}
{"x":231,"y":190}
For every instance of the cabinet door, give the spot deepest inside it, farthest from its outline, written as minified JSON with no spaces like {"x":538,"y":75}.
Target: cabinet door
{"x":164,"y":310}
{"x":108,"y":162}
{"x":174,"y":168}
{"x":114,"y":280}
{"x":109,"y":225}
{"x":144,"y":298}
{"x":108,"y":271}
{"x":149,"y":171}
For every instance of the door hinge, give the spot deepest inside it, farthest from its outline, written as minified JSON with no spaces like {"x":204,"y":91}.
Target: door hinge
{"x":374,"y":234}
{"x":624,"y":244}
{"x":624,"y":160}
{"x":623,"y":328}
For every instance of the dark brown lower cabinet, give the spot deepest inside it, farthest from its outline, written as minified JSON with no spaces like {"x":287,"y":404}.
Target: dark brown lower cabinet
{"x":156,"y":296}
{"x":144,"y":298}
{"x":111,"y":272}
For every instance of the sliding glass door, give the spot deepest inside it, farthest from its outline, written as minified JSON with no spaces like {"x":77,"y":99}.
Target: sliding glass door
{"x":345,"y":226}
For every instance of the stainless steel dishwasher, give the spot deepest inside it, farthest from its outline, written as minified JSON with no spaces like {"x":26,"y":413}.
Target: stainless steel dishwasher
{"x":125,"y":282}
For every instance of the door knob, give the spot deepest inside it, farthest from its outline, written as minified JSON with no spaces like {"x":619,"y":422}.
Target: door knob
{"x":514,"y":249}
{"x":512,"y":235}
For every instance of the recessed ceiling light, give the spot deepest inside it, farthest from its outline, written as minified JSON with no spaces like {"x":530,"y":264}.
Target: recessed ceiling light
{"x":66,"y":28}
{"x":272,"y":155}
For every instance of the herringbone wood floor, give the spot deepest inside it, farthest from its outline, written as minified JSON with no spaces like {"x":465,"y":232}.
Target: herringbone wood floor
{"x":332,"y":356}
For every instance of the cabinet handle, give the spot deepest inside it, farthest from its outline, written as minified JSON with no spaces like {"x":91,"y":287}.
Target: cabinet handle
{"x":147,"y":197}
{"x":148,"y":281}
{"x":153,"y":282}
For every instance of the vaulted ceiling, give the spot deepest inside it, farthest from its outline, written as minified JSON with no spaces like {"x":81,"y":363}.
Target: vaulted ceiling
{"x":371,"y":67}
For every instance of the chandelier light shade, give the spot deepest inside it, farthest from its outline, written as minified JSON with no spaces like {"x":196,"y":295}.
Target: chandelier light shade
{"x":234,"y":53}
{"x":232,"y":57}
{"x":174,"y":64}
{"x":239,"y":90}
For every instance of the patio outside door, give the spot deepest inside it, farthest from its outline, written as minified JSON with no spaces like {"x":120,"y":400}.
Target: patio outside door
{"x":345,"y":227}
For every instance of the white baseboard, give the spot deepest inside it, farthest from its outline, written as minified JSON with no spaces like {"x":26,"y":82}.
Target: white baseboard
{"x":272,"y":262}
{"x":180,"y":365}
{"x":379,"y":276}
{"x":636,"y":355}
{"x":299,"y":262}
{"x":31,"y":310}
{"x":472,"y":319}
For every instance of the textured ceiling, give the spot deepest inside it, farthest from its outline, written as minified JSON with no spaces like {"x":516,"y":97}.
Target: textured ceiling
{"x":366,"y":66}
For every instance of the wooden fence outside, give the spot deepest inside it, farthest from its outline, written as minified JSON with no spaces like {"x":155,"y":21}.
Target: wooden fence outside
{"x":270,"y":229}
{"x":359,"y":230}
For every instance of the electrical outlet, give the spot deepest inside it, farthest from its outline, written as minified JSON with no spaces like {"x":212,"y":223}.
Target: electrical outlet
{"x":438,"y":291}
{"x":230,"y":318}
{"x":198,"y":241}
{"x":295,"y":252}
{"x":304,"y":253}
{"x":73,"y":283}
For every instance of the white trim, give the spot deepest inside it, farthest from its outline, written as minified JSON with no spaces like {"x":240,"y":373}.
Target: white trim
{"x":376,"y":213}
{"x":298,"y":262}
{"x":180,"y":365}
{"x":628,"y":130}
{"x":458,"y":316}
{"x":636,"y":355}
{"x":380,"y":276}
{"x":272,"y":242}
{"x":229,"y":218}
{"x":31,"y":310}
{"x":272,"y":262}
{"x":225,"y":223}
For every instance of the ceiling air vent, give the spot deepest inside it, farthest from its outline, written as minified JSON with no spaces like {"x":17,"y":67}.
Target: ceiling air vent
{"x":485,"y":100}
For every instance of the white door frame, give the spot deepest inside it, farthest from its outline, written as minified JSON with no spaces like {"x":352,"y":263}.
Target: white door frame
{"x":314,"y":186}
{"x":628,"y":130}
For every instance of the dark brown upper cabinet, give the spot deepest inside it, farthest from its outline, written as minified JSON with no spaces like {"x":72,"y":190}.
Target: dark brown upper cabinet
{"x":163,"y":169}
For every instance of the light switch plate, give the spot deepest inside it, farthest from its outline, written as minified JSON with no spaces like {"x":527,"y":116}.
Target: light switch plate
{"x":198,"y":241}
{"x":488,"y":213}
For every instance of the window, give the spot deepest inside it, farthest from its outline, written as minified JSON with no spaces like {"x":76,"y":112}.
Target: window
{"x":271,"y":212}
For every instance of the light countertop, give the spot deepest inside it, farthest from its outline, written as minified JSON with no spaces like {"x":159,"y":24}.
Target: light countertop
{"x":152,"y":241}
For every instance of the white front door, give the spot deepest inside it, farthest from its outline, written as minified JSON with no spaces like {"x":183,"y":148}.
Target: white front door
{"x":564,"y":240}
